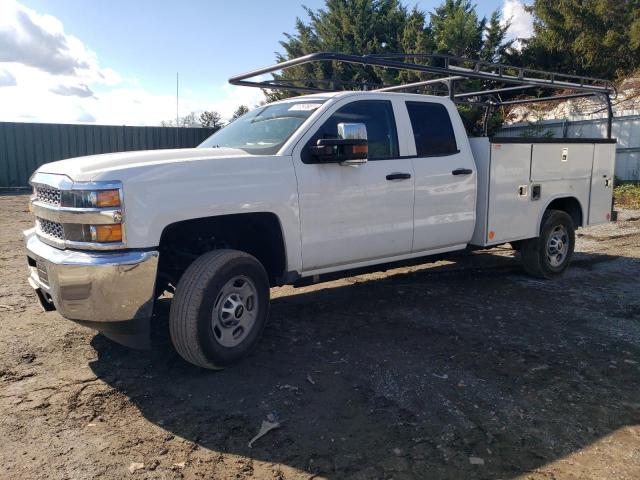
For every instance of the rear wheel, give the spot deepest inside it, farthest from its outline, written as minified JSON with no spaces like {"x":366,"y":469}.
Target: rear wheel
{"x":219,"y":309}
{"x":548,"y":255}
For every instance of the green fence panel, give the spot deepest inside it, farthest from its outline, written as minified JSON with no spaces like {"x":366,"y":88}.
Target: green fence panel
{"x":26,"y":146}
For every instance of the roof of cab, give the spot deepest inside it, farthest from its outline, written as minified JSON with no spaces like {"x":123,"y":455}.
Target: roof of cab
{"x":323,"y":96}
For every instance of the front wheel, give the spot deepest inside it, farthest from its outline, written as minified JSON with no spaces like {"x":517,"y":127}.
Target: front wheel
{"x":219,"y":309}
{"x":548,"y":255}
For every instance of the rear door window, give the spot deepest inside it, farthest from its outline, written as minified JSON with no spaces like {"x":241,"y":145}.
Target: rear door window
{"x":432,"y":129}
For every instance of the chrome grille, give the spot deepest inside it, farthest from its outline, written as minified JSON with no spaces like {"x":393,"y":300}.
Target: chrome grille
{"x":48,"y":195}
{"x":51,"y":229}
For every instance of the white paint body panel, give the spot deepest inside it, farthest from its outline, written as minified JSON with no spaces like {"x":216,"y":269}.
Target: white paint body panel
{"x":351,"y":214}
{"x":444,"y":212}
{"x":602,"y":183}
{"x":560,"y":170}
{"x":560,"y":161}
{"x":162,"y":187}
{"x":481,"y":155}
{"x":510,"y":215}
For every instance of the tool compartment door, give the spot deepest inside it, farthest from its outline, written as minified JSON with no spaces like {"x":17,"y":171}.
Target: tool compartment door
{"x":509,"y":208}
{"x":604,"y":156}
{"x":561,"y":161}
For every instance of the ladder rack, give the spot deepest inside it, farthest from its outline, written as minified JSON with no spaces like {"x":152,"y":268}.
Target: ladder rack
{"x":447,"y":70}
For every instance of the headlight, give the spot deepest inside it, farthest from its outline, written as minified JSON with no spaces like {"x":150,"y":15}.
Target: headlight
{"x":90,"y":198}
{"x":75,"y":232}
{"x":82,"y":215}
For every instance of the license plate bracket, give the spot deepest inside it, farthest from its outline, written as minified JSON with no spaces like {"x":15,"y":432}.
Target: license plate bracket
{"x":43,"y":274}
{"x":45,"y":300}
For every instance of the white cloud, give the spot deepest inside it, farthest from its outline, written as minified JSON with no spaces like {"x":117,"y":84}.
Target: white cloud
{"x":81,"y":91}
{"x":7,"y":79}
{"x":39,"y":41}
{"x":86,"y":117}
{"x":48,"y":75}
{"x":521,"y":21}
{"x":234,"y":96}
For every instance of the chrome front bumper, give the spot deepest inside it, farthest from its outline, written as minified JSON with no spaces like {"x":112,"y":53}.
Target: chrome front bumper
{"x":98,"y":288}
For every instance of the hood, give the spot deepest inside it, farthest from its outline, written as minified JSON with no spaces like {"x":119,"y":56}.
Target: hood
{"x":90,"y":167}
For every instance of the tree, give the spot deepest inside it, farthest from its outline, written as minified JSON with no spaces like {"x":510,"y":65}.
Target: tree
{"x":362,"y":27}
{"x":241,"y":110}
{"x":590,"y":37}
{"x":494,"y":45}
{"x":356,"y":27}
{"x":188,"y":120}
{"x":457,"y":29}
{"x":211,"y":119}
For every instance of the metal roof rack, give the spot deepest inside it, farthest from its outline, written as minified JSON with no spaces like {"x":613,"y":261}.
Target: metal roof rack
{"x":447,"y":70}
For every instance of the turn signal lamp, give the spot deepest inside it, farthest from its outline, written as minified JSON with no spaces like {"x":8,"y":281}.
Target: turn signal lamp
{"x":108,"y":198}
{"x":106,"y":233}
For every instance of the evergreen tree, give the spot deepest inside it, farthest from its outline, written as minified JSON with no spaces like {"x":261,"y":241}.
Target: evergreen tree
{"x":457,"y":29}
{"x":211,"y":120}
{"x":494,"y":45}
{"x":241,"y":110}
{"x":362,"y":27}
{"x":591,"y":37}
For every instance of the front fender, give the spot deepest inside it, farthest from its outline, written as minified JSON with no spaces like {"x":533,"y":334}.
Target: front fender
{"x":160,"y":195}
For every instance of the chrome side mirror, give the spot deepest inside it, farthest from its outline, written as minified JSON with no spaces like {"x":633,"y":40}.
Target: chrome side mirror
{"x":358,"y":133}
{"x":352,"y":131}
{"x":350,"y":148}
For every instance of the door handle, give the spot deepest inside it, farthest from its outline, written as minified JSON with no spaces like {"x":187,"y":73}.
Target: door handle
{"x":462,"y":171}
{"x":398,"y":176}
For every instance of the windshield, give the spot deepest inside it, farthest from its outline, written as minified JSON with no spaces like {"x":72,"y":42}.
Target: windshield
{"x":264,"y":130}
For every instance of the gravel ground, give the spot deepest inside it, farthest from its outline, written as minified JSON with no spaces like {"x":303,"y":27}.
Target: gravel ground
{"x":456,"y":369}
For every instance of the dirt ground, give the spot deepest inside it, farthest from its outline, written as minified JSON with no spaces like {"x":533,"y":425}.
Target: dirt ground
{"x":458,"y":369}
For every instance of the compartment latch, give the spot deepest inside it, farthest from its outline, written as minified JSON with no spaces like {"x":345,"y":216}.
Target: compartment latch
{"x":536,"y":192}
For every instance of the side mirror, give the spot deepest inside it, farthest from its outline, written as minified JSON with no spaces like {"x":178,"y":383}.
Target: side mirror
{"x":350,"y":148}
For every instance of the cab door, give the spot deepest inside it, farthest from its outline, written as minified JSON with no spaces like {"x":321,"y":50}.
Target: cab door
{"x":355,"y":214}
{"x":445,"y":176}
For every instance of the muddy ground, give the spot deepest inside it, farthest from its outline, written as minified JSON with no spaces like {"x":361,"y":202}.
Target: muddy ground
{"x":459,"y":369}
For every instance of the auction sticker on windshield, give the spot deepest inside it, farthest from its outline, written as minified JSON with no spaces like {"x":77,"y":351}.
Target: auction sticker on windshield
{"x":304,"y":107}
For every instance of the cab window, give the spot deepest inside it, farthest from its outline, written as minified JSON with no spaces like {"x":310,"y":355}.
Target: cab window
{"x":377,"y":115}
{"x":432,"y":129}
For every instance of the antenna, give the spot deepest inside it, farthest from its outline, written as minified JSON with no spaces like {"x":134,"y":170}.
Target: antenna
{"x":177,"y":124}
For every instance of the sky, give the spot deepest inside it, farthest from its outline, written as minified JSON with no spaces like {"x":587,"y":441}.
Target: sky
{"x":115,"y":63}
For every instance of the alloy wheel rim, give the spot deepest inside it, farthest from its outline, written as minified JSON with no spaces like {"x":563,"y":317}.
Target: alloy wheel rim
{"x":234,"y":311}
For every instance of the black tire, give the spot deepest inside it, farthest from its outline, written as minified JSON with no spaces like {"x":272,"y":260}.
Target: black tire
{"x":196,"y":332}
{"x":538,"y":258}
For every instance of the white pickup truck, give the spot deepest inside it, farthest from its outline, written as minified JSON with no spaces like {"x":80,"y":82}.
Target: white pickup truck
{"x":293,"y":190}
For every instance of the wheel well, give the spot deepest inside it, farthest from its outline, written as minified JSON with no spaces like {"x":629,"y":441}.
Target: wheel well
{"x":258,"y":234}
{"x":570,"y":206}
